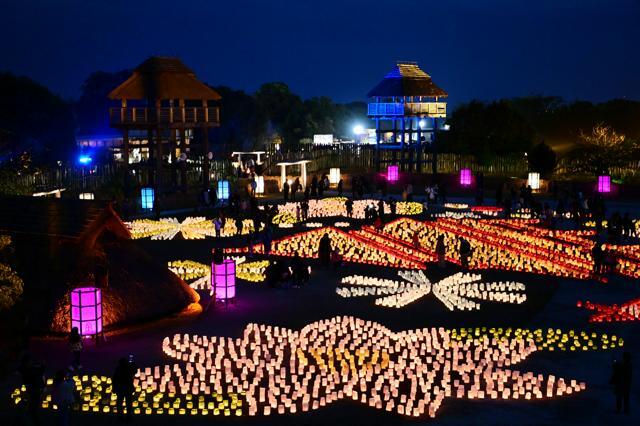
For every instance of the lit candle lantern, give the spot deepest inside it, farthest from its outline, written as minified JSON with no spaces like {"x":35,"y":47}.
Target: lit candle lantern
{"x":259,"y":184}
{"x":223,"y":190}
{"x":87,"y":196}
{"x":86,"y":310}
{"x":334,"y":175}
{"x":223,"y":279}
{"x":147,"y":196}
{"x":534,"y":180}
{"x":465,"y":177}
{"x":392,"y":173}
{"x":604,"y":184}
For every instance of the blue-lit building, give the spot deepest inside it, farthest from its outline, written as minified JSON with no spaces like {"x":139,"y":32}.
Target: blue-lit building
{"x":408,"y":110}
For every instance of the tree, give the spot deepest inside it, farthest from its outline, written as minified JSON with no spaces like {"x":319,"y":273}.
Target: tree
{"x":92,"y":108}
{"x":596,"y":153}
{"x":487,"y":130}
{"x":542,"y":159}
{"x":34,"y":120}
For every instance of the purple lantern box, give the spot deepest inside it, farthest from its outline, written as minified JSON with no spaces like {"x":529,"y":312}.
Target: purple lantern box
{"x":86,"y":310}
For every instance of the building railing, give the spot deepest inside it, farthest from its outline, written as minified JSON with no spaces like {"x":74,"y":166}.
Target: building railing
{"x":164,"y":116}
{"x":385,"y":109}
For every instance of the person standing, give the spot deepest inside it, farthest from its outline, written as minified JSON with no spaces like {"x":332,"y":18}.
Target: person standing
{"x":75,"y":342}
{"x":296,"y":187}
{"x":63,"y":396}
{"x":217,"y":224}
{"x":324,"y":250}
{"x":314,"y":186}
{"x":122,"y":383}
{"x":465,"y":252}
{"x":441,"y":251}
{"x":340,"y":188}
{"x":267,"y":238}
{"x":285,"y":190}
{"x":321,"y":188}
{"x":33,"y":380}
{"x":348,"y":204}
{"x":621,"y":381}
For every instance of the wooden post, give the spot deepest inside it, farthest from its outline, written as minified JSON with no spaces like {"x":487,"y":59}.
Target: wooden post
{"x":419,"y":148}
{"x":377,"y":144}
{"x":125,"y":158}
{"x":205,"y":164}
{"x":158,"y":142}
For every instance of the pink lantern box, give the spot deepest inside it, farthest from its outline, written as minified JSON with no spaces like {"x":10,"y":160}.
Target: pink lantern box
{"x":223,"y":279}
{"x":604,"y":184}
{"x":465,"y":177}
{"x":86,"y":310}
{"x":392,"y":173}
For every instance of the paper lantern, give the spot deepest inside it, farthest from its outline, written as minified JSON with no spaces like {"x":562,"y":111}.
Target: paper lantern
{"x":259,"y":184}
{"x":604,"y":184}
{"x":465,"y":177}
{"x":223,"y":279}
{"x":87,"y":196}
{"x":534,"y":180}
{"x":86,"y":310}
{"x":334,"y":175}
{"x":392,"y":173}
{"x":223,"y":190}
{"x":147,"y":195}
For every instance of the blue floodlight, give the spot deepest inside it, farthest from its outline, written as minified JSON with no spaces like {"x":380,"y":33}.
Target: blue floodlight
{"x":85,"y":159}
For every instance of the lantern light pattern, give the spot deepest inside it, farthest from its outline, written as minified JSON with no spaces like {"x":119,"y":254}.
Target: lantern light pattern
{"x":223,"y":190}
{"x":392,"y":173}
{"x":604,"y":184}
{"x":465,"y":177}
{"x":86,"y":310}
{"x":147,"y":196}
{"x":534,"y":180}
{"x":87,"y":196}
{"x":223,"y":279}
{"x":334,"y":175}
{"x":259,"y":184}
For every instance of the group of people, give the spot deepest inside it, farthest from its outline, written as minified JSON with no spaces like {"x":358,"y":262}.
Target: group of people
{"x":279,"y":274}
{"x":315,"y":190}
{"x":63,"y":390}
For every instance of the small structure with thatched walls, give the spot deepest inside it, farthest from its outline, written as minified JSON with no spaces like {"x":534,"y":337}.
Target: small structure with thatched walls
{"x":62,"y":244}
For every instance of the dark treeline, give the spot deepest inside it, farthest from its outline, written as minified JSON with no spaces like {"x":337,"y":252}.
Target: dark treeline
{"x":34,"y":120}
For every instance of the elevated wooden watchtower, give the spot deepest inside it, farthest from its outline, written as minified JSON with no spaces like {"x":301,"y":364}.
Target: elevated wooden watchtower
{"x":406,"y":106}
{"x":164,"y":98}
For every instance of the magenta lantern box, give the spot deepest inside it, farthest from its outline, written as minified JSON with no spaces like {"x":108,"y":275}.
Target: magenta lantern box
{"x":392,"y":173}
{"x":86,"y":310}
{"x":465,"y":177}
{"x":604,"y":183}
{"x":223,"y":279}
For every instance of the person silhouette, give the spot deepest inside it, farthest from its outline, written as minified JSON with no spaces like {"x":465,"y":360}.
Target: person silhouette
{"x":621,"y":381}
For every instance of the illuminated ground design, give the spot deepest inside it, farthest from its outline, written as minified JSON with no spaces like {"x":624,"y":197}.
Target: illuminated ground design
{"x":628,"y":311}
{"x":516,"y":244}
{"x":505,"y":344}
{"x":273,"y":370}
{"x":456,"y":292}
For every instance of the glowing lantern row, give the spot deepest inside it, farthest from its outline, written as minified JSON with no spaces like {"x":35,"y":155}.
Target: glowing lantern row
{"x":87,"y":196}
{"x":86,"y":310}
{"x":191,"y":228}
{"x":343,"y":358}
{"x":392,"y":173}
{"x":604,"y":184}
{"x":465,"y":177}
{"x":334,"y":175}
{"x":147,"y":197}
{"x":534,"y":180}
{"x":223,"y":190}
{"x":259,"y":184}
{"x":455,"y":291}
{"x":223,"y":279}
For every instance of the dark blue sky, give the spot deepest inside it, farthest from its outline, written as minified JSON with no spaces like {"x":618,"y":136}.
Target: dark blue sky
{"x":483,"y":49}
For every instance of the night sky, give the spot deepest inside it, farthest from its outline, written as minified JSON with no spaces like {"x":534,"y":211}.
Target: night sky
{"x":474,"y":49}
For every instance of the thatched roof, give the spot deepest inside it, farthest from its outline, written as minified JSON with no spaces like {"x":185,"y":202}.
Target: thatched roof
{"x":407,"y":79}
{"x":160,"y":78}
